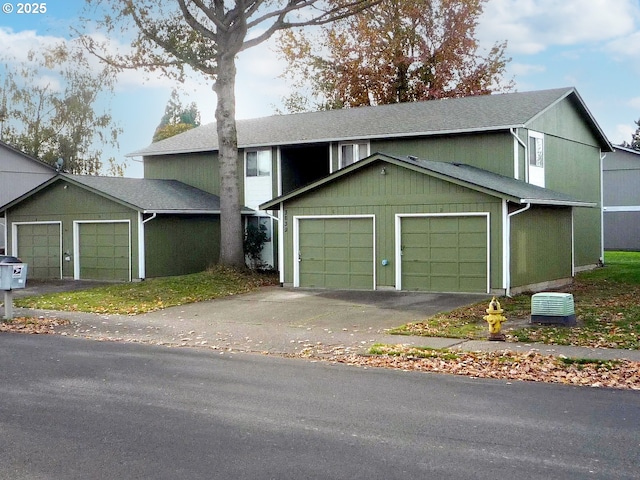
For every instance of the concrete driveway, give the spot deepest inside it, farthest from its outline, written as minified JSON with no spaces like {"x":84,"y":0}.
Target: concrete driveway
{"x":273,"y":320}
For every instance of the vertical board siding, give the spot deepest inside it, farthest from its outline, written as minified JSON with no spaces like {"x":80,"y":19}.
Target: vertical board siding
{"x":199,"y":170}
{"x":66,"y":205}
{"x":400,"y":190}
{"x":540,"y":233}
{"x":178,"y":245}
{"x":572,"y":166}
{"x":487,"y":150}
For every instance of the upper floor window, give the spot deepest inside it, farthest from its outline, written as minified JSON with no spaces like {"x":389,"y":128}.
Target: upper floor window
{"x":258,"y":163}
{"x":352,"y":152}
{"x":536,"y":149}
{"x":536,"y":159}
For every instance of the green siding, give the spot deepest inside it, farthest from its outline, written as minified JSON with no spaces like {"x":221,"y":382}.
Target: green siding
{"x":564,"y":121}
{"x":57,"y":203}
{"x":400,"y":190}
{"x":178,"y":245}
{"x":199,"y":170}
{"x":572,"y":165}
{"x":490,"y":151}
{"x":540,"y":246}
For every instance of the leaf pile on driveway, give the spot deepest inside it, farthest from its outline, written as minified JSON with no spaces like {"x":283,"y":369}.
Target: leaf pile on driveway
{"x":505,"y":365}
{"x":38,"y":325}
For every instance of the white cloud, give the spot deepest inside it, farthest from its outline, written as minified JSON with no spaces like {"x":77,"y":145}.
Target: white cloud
{"x":622,"y":133}
{"x":531,"y":26}
{"x":524,"y":69}
{"x":19,"y":44}
{"x":635,"y":102}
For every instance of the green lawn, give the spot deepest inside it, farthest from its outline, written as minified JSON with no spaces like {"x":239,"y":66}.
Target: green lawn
{"x":607,"y":304}
{"x":152,"y":294}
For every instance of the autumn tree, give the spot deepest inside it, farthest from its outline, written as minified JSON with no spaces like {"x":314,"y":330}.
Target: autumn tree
{"x":635,"y":138}
{"x":177,"y":118}
{"x":207,"y":37}
{"x":49,"y":110}
{"x":396,"y":51}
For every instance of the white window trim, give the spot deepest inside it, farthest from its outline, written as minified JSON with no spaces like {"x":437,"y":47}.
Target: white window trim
{"x":257,"y":151}
{"x":356,"y":144}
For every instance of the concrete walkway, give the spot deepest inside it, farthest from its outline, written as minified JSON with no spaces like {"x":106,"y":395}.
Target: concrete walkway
{"x":286,"y":321}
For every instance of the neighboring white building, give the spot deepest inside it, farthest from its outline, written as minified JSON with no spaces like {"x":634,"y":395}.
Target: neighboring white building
{"x":621,"y":199}
{"x":19,"y":173}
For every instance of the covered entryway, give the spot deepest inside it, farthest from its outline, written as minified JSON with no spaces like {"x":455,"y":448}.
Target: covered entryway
{"x":335,"y":252}
{"x":102,"y":250}
{"x":443,"y":252}
{"x":39,"y":245}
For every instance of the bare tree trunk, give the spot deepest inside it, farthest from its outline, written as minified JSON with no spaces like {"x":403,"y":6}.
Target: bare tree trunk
{"x":231,"y":234}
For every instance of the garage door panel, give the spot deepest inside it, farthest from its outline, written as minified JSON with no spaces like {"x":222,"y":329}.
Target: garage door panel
{"x":473,"y":254}
{"x":453,"y":259}
{"x":336,"y":253}
{"x":39,"y":247}
{"x":104,"y":251}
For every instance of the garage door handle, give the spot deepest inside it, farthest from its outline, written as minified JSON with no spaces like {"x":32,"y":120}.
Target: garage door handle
{"x":299,"y":256}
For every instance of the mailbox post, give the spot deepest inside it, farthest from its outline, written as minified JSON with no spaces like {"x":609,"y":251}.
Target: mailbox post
{"x":12,"y":276}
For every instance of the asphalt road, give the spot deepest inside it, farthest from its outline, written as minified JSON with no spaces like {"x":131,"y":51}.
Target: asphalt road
{"x":79,"y":409}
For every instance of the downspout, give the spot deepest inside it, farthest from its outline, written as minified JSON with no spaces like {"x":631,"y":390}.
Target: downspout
{"x":142,"y":264}
{"x":508,"y":255}
{"x":516,"y":168}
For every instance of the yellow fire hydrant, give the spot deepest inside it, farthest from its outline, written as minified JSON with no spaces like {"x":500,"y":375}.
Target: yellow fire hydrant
{"x":495,"y":320}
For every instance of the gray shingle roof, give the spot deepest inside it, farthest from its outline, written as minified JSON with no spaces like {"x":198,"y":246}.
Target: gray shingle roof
{"x":152,"y":195}
{"x":468,"y":114}
{"x":467,"y":175}
{"x":518,"y":190}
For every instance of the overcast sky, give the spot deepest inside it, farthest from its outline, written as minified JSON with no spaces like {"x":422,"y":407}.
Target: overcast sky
{"x":593,"y":45}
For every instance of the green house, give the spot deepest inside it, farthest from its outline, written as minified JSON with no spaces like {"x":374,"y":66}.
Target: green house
{"x":490,"y":193}
{"x":114,"y":228}
{"x":546,"y":139}
{"x":410,"y":224}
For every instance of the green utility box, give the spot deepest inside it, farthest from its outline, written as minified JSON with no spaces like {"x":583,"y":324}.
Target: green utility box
{"x":553,"y":308}
{"x":13,"y":275}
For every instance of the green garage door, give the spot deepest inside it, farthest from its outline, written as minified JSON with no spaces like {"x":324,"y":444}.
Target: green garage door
{"x":336,"y":253}
{"x":39,"y":247}
{"x":104,"y":251}
{"x":444,"y":254}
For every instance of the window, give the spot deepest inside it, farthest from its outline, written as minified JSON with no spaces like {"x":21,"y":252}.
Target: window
{"x":259,"y":163}
{"x":536,"y":149}
{"x":262,"y":223}
{"x":352,"y":152}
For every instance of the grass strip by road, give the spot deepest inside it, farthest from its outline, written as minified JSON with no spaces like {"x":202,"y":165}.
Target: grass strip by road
{"x":152,"y":294}
{"x":606,"y":302}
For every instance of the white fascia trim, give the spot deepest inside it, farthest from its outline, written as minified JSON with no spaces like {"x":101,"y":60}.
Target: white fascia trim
{"x":559,"y":203}
{"x":622,"y":208}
